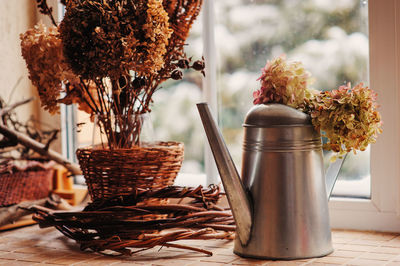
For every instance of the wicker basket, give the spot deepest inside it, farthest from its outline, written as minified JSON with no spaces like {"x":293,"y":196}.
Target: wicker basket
{"x":109,"y":172}
{"x":33,"y":182}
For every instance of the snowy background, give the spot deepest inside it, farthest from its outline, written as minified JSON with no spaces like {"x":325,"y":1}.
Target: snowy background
{"x":330,"y":37}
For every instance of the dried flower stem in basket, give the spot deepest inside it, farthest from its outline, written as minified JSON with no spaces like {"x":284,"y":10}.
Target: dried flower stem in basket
{"x":112,"y":56}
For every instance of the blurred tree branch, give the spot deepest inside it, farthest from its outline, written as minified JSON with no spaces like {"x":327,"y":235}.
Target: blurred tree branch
{"x":29,"y":137}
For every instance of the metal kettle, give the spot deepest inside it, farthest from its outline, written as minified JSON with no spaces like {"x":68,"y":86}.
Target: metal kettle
{"x":281,"y":204}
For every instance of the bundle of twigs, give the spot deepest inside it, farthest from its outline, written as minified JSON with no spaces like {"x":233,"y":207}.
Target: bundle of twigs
{"x":117,"y":223}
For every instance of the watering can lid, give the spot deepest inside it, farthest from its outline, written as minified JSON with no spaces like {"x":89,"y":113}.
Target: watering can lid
{"x":267,"y":115}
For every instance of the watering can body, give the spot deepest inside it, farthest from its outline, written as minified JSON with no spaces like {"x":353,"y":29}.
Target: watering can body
{"x":280,"y":205}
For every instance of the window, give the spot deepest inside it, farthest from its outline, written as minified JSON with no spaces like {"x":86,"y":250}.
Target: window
{"x":329,"y":37}
{"x":380,"y":211}
{"x":233,"y":67}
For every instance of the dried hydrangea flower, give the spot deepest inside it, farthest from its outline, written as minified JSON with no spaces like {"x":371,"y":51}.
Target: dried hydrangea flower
{"x":157,"y":30}
{"x":283,"y":82}
{"x":348,"y":117}
{"x":107,"y":39}
{"x":86,"y":98}
{"x":42,"y":51}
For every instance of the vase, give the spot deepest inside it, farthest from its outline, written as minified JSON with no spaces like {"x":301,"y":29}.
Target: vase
{"x":122,"y":131}
{"x":122,"y":161}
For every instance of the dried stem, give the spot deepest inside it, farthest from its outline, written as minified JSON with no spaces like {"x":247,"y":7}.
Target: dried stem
{"x":124,"y":222}
{"x":46,"y":10}
{"x":11,"y":107}
{"x":189,"y":248}
{"x":39,"y":148}
{"x":13,"y":213}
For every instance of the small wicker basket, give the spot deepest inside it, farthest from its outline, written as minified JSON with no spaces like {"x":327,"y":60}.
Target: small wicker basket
{"x":110,"y":172}
{"x":30,"y":183}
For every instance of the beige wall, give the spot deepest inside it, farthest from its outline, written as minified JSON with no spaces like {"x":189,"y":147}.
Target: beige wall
{"x":16,"y":16}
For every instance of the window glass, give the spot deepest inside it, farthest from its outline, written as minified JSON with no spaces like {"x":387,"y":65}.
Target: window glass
{"x":329,"y":37}
{"x":174,"y":111}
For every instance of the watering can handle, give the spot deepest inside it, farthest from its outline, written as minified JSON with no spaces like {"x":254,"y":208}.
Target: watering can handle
{"x":332,"y":174}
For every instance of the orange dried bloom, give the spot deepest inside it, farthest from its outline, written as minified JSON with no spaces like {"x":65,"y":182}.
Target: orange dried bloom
{"x":77,"y":94}
{"x":107,"y":39}
{"x":158,"y":32}
{"x":42,"y":51}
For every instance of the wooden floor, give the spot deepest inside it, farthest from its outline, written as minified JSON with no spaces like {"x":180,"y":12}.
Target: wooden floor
{"x":34,"y":246}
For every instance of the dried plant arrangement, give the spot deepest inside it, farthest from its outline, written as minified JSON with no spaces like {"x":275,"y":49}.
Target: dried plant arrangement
{"x":125,"y":225}
{"x":111,"y":56}
{"x":348,"y":116}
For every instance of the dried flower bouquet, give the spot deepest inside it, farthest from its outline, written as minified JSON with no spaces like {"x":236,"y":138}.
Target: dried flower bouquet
{"x":109,"y":57}
{"x":347,"y":116}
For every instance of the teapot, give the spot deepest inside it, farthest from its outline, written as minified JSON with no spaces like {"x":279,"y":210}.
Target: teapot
{"x":280,"y":203}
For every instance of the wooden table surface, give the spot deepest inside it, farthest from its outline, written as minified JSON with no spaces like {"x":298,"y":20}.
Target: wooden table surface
{"x":34,"y":246}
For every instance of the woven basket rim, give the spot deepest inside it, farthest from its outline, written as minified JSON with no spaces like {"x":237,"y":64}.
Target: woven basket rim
{"x":109,"y":171}
{"x":152,"y":146}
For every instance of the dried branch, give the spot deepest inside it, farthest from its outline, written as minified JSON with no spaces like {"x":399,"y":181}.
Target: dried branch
{"x":52,"y":138}
{"x":125,"y":221}
{"x":8,"y":109}
{"x":39,"y":148}
{"x":13,"y":213}
{"x":46,"y":10}
{"x":9,"y":120}
{"x":210,"y":195}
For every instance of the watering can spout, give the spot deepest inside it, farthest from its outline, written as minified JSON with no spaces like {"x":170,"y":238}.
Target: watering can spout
{"x":238,"y":198}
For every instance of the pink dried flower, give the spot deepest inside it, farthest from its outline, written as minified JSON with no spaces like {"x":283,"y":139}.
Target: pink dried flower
{"x":283,"y":82}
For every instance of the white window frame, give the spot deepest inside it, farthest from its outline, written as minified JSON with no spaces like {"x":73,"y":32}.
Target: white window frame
{"x":67,"y":113}
{"x":210,"y":83}
{"x":382,"y":211}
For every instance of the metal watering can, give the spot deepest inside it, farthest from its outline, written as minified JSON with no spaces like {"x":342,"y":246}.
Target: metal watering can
{"x":281,"y":204}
